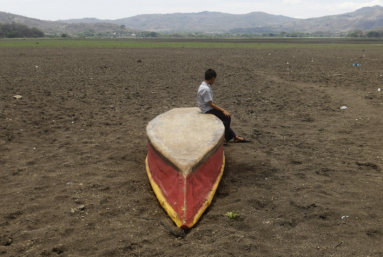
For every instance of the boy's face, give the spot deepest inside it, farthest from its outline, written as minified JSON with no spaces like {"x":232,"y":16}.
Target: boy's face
{"x":212,"y":81}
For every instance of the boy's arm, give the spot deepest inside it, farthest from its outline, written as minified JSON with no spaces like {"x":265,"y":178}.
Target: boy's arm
{"x":214,"y":106}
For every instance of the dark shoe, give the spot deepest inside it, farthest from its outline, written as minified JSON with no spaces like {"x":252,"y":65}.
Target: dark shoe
{"x":244,"y":140}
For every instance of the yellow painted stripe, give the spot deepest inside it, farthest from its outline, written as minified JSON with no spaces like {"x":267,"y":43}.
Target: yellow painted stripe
{"x":209,"y":197}
{"x":168,"y":208}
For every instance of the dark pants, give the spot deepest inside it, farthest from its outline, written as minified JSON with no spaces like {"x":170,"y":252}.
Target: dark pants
{"x":229,"y":133}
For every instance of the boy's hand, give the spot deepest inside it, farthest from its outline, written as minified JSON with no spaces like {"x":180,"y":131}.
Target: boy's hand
{"x":226,"y":114}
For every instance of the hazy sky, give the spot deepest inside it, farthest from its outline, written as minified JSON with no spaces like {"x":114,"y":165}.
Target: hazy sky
{"x":115,"y":9}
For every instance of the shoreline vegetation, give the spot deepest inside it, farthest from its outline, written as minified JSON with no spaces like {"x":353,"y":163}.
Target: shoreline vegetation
{"x":15,"y":30}
{"x":260,"y":43}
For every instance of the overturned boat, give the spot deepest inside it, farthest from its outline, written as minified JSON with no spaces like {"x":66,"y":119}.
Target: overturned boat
{"x":185,"y":162}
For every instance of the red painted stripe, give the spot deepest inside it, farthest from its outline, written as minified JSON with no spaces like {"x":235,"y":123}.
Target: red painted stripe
{"x":198,"y":184}
{"x":168,"y":179}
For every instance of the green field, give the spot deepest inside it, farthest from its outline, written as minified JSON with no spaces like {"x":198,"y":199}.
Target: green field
{"x":185,"y":43}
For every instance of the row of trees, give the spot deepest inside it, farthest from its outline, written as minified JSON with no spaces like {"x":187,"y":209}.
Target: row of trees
{"x":15,"y":30}
{"x":113,"y":34}
{"x":294,"y":34}
{"x":366,"y":34}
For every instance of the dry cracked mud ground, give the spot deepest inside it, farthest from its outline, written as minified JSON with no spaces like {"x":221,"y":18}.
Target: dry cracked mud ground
{"x":72,"y":151}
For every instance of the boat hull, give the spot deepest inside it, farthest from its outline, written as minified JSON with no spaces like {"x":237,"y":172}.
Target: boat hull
{"x":184,"y":196}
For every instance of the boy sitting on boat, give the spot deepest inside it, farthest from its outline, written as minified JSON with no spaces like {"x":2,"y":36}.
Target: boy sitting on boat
{"x":206,"y":104}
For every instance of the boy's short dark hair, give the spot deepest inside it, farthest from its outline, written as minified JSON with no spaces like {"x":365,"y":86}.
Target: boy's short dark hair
{"x":209,"y":74}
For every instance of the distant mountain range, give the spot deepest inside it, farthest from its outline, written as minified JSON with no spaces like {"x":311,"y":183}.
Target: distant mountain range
{"x":194,"y":22}
{"x":366,"y":18}
{"x":54,"y":27}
